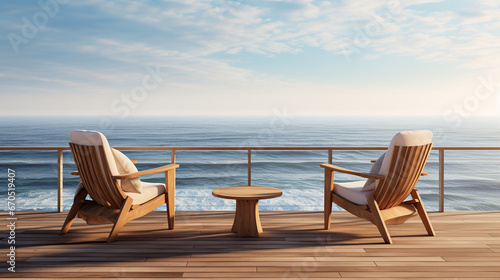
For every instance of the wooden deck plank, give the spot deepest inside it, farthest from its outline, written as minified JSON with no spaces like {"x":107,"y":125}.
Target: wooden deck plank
{"x":218,"y":269}
{"x":286,"y":264}
{"x":407,"y":268}
{"x":422,"y":274}
{"x":293,"y":246}
{"x":285,"y":275}
{"x":441,"y":264}
{"x":267,"y":278}
{"x":87,"y":275}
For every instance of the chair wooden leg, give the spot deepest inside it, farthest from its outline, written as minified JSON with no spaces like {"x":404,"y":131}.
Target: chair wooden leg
{"x":328,"y":198}
{"x":328,"y":213}
{"x":121,"y":220}
{"x":422,"y":213}
{"x":170,"y":197}
{"x":77,"y":204}
{"x":70,"y":218}
{"x":379,"y":221}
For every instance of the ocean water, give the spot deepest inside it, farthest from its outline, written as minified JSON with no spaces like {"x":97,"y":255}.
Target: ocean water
{"x":472,"y":178}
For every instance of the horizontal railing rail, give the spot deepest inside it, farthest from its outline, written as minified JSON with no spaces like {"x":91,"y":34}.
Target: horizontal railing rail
{"x":330,"y":150}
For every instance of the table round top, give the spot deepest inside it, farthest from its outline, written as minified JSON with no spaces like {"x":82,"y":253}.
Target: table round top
{"x":247,"y":192}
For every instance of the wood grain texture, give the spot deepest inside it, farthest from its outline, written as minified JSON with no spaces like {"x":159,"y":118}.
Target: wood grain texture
{"x":246,"y":218}
{"x":247,"y":192}
{"x":109,"y":202}
{"x":386,"y":205}
{"x":294,"y":245}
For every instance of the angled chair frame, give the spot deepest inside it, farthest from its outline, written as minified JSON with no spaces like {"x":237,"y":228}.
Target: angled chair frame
{"x":386,"y":204}
{"x":105,"y":191}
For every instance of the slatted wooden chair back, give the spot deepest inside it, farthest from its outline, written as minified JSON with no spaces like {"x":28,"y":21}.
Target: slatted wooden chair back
{"x":404,"y":171}
{"x":96,"y":176}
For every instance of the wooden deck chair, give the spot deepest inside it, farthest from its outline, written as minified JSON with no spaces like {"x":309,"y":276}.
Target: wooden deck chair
{"x":111,"y":180}
{"x":381,"y":199}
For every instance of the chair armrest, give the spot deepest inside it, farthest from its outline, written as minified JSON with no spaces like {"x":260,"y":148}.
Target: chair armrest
{"x":352,"y":172}
{"x":148,"y":171}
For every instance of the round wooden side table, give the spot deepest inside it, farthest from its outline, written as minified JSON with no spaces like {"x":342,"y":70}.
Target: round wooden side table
{"x":246,"y":219}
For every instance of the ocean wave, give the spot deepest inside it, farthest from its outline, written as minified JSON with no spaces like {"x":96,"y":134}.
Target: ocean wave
{"x":471,"y":177}
{"x":294,"y":198}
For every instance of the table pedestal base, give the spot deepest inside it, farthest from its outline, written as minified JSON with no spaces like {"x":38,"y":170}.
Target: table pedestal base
{"x":247,"y":220}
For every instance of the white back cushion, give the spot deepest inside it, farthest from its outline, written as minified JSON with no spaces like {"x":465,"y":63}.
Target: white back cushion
{"x":94,"y":138}
{"x":404,"y":138}
{"x":125,"y":165}
{"x":371,"y":183}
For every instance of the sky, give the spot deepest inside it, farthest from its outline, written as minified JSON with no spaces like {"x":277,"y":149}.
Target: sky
{"x":235,"y":57}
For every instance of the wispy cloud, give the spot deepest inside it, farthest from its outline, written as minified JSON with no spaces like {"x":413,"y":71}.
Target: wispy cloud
{"x":104,"y":46}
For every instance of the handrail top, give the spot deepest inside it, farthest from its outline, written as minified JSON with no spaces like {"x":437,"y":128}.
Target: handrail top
{"x":311,"y":148}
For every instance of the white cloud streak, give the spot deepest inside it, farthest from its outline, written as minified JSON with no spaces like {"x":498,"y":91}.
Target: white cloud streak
{"x":186,"y":37}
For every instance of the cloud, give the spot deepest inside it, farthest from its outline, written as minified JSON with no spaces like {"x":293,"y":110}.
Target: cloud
{"x":105,"y":46}
{"x":203,"y":28}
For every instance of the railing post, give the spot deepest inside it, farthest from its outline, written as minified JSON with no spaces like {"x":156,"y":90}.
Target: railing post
{"x":249,"y":167}
{"x":59,"y":180}
{"x":173,"y":156}
{"x":441,"y":180}
{"x":330,"y":156}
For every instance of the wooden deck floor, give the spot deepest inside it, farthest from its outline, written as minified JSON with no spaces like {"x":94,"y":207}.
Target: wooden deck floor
{"x":293,"y":246}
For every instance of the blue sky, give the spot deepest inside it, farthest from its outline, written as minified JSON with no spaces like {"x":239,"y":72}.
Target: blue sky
{"x":226,"y":57}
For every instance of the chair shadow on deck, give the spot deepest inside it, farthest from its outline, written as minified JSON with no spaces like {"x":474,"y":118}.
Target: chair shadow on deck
{"x":147,"y":249}
{"x":293,"y":245}
{"x":196,"y":233}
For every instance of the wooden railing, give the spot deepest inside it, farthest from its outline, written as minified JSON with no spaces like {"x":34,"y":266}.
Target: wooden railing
{"x":330,"y":150}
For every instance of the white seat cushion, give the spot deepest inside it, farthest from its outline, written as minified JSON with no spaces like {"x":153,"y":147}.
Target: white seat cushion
{"x":149,"y":191}
{"x":352,"y":192}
